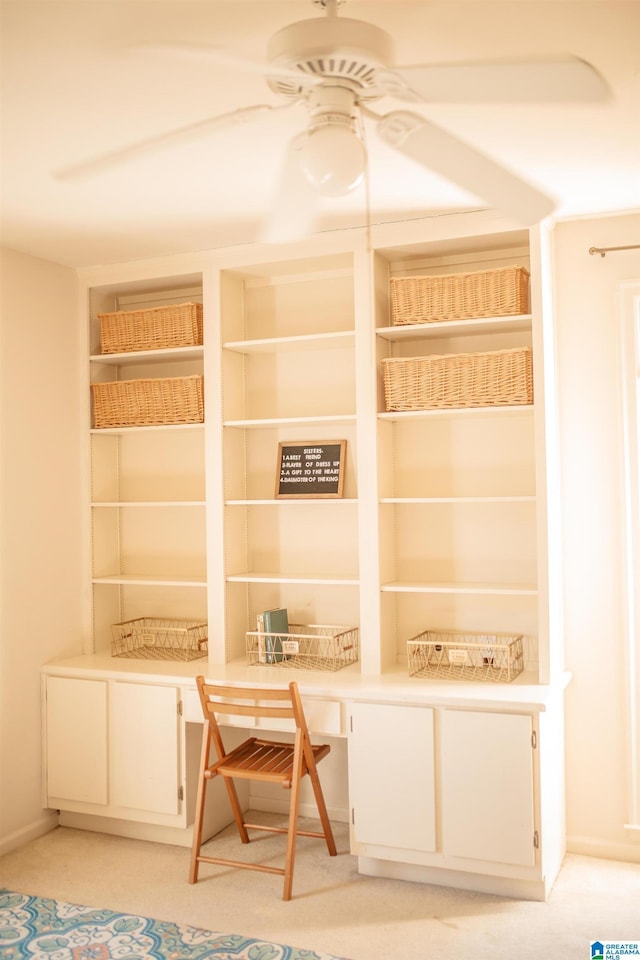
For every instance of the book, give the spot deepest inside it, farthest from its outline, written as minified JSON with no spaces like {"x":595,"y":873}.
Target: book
{"x":276,"y":624}
{"x":262,"y":655}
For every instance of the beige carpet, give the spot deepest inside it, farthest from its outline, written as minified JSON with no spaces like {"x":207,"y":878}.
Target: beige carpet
{"x":334,"y":909}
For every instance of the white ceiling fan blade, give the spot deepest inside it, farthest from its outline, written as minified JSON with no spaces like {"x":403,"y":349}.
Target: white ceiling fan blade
{"x":294,"y":208}
{"x":223,"y":57}
{"x":545,"y":80}
{"x":456,"y":161}
{"x":192,"y":131}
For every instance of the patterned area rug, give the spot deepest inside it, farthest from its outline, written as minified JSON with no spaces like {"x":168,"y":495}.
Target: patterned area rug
{"x":40,"y":929}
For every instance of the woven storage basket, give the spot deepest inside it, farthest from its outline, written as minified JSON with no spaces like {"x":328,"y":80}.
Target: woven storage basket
{"x":305,"y":647}
{"x":141,"y":403}
{"x":460,"y":296}
{"x":156,"y":638}
{"x":158,"y":328}
{"x":496,"y":378}
{"x":497,"y":657}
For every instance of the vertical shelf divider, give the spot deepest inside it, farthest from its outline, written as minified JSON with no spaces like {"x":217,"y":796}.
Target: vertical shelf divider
{"x":213,"y":301}
{"x":371,"y":650}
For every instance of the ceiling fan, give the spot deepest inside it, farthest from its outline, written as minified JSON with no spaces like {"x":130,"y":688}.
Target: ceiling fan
{"x":337,"y":67}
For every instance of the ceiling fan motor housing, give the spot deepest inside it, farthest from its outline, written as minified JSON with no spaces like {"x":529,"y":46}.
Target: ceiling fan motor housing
{"x":351,"y":51}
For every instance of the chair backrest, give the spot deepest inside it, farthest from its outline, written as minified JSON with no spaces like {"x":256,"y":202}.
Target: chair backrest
{"x":268,"y":703}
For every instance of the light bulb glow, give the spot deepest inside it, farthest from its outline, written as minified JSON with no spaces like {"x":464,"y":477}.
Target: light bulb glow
{"x":332,"y":158}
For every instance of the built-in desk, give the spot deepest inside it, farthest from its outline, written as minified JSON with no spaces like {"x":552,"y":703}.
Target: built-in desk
{"x":454,"y":783}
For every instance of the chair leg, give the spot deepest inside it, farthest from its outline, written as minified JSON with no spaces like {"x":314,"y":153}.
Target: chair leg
{"x":322,"y":810}
{"x":294,"y":805}
{"x":199,"y":814}
{"x":236,"y":808}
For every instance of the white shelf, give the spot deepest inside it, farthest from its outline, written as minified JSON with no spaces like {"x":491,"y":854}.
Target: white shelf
{"x":459,"y":328}
{"x":517,"y":410}
{"x":291,"y":421}
{"x":311,"y":341}
{"x":170,"y":355}
{"x":119,"y":431}
{"x":285,"y":578}
{"x":510,"y":499}
{"x":148,"y":503}
{"x":493,"y":589}
{"x":146,"y":581}
{"x":324,"y":502}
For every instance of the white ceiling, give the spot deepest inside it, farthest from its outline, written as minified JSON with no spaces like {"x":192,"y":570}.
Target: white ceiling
{"x":74,"y":87}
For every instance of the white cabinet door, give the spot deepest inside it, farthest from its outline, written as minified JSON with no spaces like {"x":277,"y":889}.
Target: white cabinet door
{"x":144,"y":732}
{"x":76,"y":742}
{"x":391,"y":776}
{"x":487,"y":787}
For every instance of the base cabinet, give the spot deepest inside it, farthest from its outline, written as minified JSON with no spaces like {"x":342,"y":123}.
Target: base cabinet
{"x":487,"y":808}
{"x":442,"y":789}
{"x":145,"y":726}
{"x":113,"y":749}
{"x":447,"y":795}
{"x":392,"y":777}
{"x":76,"y":741}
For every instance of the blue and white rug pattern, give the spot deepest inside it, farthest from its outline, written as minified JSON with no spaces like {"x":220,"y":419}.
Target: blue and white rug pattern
{"x":37,"y":928}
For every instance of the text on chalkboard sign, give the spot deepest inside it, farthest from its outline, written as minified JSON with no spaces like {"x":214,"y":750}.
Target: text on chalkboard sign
{"x":311,"y":469}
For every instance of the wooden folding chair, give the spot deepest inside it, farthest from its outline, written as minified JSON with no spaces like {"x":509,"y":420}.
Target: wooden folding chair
{"x":269,"y":761}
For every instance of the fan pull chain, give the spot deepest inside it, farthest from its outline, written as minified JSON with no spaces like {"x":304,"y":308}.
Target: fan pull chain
{"x":362,"y":131}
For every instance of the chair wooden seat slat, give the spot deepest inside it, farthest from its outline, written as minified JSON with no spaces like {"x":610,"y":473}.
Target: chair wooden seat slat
{"x":271,"y":761}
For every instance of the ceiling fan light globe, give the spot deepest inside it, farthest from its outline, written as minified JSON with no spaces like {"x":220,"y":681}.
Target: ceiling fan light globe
{"x":333,"y":159}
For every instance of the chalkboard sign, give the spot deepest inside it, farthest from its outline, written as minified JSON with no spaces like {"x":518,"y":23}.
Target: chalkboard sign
{"x":311,"y":469}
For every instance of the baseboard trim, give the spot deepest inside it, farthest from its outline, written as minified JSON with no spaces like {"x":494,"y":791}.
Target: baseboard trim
{"x":132,"y":830}
{"x":31,"y":831}
{"x":458,"y":879}
{"x":270,"y":805}
{"x":178,"y":836}
{"x":604,"y":849}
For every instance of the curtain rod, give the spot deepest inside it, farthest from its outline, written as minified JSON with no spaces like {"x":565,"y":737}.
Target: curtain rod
{"x":604,"y":250}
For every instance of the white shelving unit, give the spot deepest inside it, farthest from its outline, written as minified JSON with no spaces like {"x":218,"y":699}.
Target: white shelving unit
{"x":459,"y":510}
{"x":281,"y":385}
{"x":148,"y":499}
{"x":443,"y":523}
{"x":448,"y":521}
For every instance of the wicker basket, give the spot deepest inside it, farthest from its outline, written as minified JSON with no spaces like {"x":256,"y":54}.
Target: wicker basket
{"x":496,"y":378}
{"x":141,"y":403}
{"x":305,"y":647}
{"x":460,"y":296}
{"x":177,"y":325}
{"x":496,"y":657}
{"x":155,"y":638}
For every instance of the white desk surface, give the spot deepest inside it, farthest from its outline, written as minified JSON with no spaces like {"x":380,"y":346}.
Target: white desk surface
{"x":394,"y":686}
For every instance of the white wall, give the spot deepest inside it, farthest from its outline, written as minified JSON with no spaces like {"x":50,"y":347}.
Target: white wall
{"x":40,"y":496}
{"x":588,"y":342}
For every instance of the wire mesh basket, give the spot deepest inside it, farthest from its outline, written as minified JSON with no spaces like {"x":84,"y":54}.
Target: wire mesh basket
{"x":496,"y":657}
{"x":156,"y":328}
{"x":460,"y":296}
{"x":157,"y":638}
{"x":305,"y":647}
